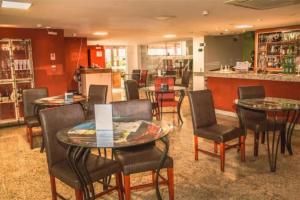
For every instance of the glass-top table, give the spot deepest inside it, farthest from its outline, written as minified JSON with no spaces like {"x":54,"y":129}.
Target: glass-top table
{"x":153,"y":93}
{"x":281,"y":112}
{"x":84,"y":136}
{"x":58,"y":101}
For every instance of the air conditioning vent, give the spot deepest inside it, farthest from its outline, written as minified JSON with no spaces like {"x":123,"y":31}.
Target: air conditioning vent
{"x":262,"y":4}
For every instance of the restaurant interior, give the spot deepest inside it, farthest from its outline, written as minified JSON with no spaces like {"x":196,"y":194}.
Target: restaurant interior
{"x":128,"y":99}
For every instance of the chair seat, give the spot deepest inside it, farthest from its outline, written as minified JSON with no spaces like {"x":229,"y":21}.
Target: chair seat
{"x":264,"y":125}
{"x":141,"y":159}
{"x":32,"y":121}
{"x":97,"y":167}
{"x":219,"y":133}
{"x":168,"y":103}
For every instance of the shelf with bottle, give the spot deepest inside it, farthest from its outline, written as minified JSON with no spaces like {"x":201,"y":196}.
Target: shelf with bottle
{"x":7,"y":92}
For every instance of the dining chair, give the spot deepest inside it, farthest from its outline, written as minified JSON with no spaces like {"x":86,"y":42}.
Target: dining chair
{"x":56,"y":119}
{"x":131,"y":90}
{"x":257,"y":121}
{"x":136,"y":74}
{"x":143,"y":81}
{"x":141,"y":158}
{"x":185,"y":80}
{"x":30,"y":113}
{"x":97,"y":95}
{"x":205,"y":126}
{"x":166,"y":99}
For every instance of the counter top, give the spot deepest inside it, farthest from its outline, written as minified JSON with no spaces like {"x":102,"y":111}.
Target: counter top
{"x":94,"y":70}
{"x":253,"y":76}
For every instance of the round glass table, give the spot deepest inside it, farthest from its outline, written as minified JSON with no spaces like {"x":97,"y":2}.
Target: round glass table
{"x":81,"y":138}
{"x":281,"y":111}
{"x":152,"y":93}
{"x":58,"y":101}
{"x":55,"y":101}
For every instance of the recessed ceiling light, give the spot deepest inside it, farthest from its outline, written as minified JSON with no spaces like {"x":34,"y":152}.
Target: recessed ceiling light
{"x":165,"y":17}
{"x":16,"y":5}
{"x":100,"y":33}
{"x":48,"y":27}
{"x":241,"y":26}
{"x":39,"y":25}
{"x":205,"y":12}
{"x":169,"y":36}
{"x":226,"y":30}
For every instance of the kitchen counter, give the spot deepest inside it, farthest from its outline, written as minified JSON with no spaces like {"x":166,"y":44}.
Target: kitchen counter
{"x":254,"y":76}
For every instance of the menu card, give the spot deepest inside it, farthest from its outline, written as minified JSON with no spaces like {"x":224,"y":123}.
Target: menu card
{"x":103,"y":117}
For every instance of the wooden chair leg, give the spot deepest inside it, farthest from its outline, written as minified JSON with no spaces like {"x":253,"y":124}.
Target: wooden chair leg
{"x":215,"y":147}
{"x":242,"y":148}
{"x":222,"y":155}
{"x":153,"y":177}
{"x":171,"y":183}
{"x":127,"y":186}
{"x":263,"y":136}
{"x":53,"y":187}
{"x":196,"y":147}
{"x":119,"y":185}
{"x":30,"y":139}
{"x":256,"y":143}
{"x":78,"y":194}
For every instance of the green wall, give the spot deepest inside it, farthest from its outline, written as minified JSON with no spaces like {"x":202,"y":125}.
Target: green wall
{"x":248,"y":45}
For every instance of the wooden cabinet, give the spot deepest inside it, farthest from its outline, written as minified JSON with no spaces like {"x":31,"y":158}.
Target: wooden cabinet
{"x":16,"y":74}
{"x":277,"y":49}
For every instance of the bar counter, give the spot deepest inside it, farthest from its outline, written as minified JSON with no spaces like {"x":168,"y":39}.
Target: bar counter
{"x":224,"y":87}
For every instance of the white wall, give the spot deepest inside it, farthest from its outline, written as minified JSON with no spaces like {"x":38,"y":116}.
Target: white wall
{"x":133,"y":57}
{"x":198,"y":63}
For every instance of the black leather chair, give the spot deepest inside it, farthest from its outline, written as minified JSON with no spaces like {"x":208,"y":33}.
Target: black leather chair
{"x":205,"y":126}
{"x":30,"y":116}
{"x":185,"y":79}
{"x":257,"y":121}
{"x":143,"y":158}
{"x":132,"y":90}
{"x":136,"y":75}
{"x":97,"y":95}
{"x":55,"y":119}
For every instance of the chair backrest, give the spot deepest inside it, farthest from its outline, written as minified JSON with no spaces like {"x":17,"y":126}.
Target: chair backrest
{"x":202,"y":108}
{"x":171,"y":73}
{"x":54,"y":120}
{"x":136,"y":74}
{"x":163,"y":80}
{"x":144,"y":76}
{"x":132,"y":90}
{"x":185,"y":78}
{"x":132,"y":110}
{"x":251,"y":92}
{"x":29,"y":96}
{"x":97,"y":95}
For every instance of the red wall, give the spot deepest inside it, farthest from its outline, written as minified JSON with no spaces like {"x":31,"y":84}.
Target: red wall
{"x":93,"y":55}
{"x":42,"y":45}
{"x":72,"y":52}
{"x":225,"y":90}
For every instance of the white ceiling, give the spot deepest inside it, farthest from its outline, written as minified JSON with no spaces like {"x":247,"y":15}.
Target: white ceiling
{"x":134,"y":20}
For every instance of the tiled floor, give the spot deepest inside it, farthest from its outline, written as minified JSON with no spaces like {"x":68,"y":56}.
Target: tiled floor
{"x":24,"y":175}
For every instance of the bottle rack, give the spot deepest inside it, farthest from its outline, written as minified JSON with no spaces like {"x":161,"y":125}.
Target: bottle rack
{"x":16,"y":74}
{"x":274,"y":45}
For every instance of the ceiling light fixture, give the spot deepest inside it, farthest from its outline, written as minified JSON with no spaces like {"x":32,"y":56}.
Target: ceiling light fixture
{"x":100,"y":33}
{"x":242,"y":26}
{"x":165,"y":17}
{"x":205,"y":12}
{"x":16,"y":5}
{"x":169,"y":36}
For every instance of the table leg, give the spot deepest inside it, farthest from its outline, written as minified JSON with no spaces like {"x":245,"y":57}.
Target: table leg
{"x":165,"y":140}
{"x":294,"y":117}
{"x":77,"y":157}
{"x":273,"y":149}
{"x":182,"y":94}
